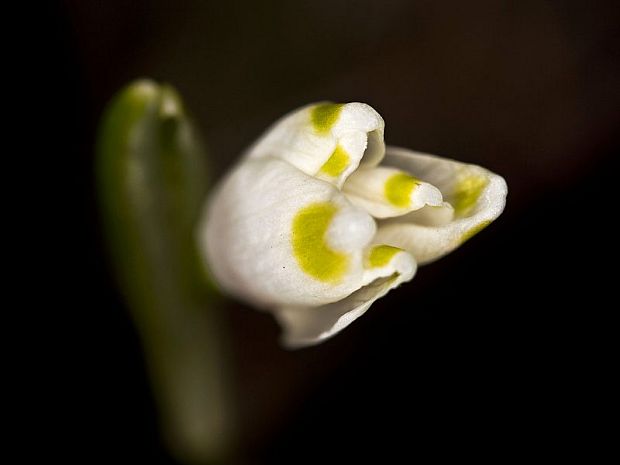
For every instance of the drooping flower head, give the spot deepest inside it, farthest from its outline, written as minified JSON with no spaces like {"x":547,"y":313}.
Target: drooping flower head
{"x":318,"y":219}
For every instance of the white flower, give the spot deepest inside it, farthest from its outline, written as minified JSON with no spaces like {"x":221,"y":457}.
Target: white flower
{"x":319,"y":219}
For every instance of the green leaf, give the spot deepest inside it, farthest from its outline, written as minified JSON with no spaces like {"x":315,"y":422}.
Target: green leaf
{"x":152,"y":176}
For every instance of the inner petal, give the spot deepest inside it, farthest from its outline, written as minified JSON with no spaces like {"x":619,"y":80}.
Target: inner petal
{"x":461,"y":184}
{"x":386,"y":192}
{"x":427,"y":216}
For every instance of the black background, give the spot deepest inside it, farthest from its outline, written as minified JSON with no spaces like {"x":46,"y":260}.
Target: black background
{"x":478,"y":352}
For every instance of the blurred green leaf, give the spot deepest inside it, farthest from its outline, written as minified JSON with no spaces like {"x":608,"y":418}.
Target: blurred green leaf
{"x":152,"y":176}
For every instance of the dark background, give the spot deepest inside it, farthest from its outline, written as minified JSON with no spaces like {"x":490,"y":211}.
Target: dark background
{"x":475,"y":351}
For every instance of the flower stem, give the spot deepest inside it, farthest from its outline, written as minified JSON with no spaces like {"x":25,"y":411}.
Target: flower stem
{"x":152,"y":181}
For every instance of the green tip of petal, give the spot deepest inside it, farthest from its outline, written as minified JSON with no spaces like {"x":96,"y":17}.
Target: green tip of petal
{"x":398,"y":189}
{"x":336,"y":163}
{"x":467,"y":191}
{"x":381,"y":255}
{"x":324,"y":116}
{"x":473,"y":231}
{"x":310,"y":248}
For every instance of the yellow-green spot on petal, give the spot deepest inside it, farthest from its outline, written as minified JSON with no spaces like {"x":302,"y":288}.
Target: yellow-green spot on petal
{"x":398,"y":189}
{"x":473,"y":231}
{"x":310,"y":247}
{"x":380,"y":255}
{"x":467,"y":192}
{"x":336,"y":163}
{"x":324,"y":116}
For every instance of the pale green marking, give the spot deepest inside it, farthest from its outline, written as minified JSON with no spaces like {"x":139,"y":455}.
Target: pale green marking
{"x":381,"y":255}
{"x":475,"y":230}
{"x":467,"y":192}
{"x":310,"y":247}
{"x":324,"y":116}
{"x":336,"y":163}
{"x":398,"y":189}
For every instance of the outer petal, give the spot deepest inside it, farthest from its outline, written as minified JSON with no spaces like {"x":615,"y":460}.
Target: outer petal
{"x":477,"y":195}
{"x":305,"y":326}
{"x":273,"y":235}
{"x":326,"y":140}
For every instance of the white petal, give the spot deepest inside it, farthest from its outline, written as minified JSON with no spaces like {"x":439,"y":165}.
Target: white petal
{"x":273,"y":235}
{"x":325,"y":140}
{"x":387,"y":192}
{"x":461,"y":184}
{"x":429,"y":215}
{"x":305,"y":326}
{"x":477,"y":195}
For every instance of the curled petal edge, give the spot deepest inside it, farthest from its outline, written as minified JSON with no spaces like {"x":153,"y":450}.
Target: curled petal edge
{"x":478,"y":195}
{"x":307,"y":326}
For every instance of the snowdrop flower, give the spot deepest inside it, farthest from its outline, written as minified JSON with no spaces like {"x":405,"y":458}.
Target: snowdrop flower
{"x":319,"y":219}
